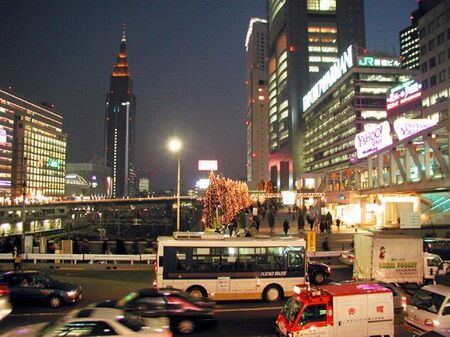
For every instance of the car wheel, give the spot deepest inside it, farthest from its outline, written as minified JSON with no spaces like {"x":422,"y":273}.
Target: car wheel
{"x":185,"y":326}
{"x":197,"y":292}
{"x":319,"y":277}
{"x":55,"y":301}
{"x":272,"y":294}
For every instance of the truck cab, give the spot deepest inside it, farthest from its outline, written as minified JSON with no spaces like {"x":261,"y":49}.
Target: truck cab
{"x":434,"y":266}
{"x":429,"y":309}
{"x":337,"y":311}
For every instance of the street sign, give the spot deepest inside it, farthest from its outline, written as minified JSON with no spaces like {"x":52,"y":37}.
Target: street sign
{"x":311,"y":241}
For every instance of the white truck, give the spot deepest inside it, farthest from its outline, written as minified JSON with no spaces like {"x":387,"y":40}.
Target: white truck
{"x":363,"y":310}
{"x":394,"y":259}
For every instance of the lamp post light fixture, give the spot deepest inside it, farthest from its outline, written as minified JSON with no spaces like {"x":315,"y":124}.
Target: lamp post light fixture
{"x":175,"y":146}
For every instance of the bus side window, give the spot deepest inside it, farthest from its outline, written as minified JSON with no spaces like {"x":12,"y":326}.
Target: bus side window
{"x":183,"y":258}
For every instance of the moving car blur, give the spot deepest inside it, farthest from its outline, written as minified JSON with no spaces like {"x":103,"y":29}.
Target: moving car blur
{"x":5,"y":306}
{"x":97,"y":322}
{"x":26,"y":287}
{"x":185,"y":312}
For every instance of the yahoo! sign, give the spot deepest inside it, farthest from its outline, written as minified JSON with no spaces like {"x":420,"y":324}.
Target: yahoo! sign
{"x":370,"y":141}
{"x":408,"y":127}
{"x":402,"y":94}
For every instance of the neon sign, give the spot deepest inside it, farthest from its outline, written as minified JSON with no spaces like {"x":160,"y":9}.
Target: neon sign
{"x":53,"y":164}
{"x":339,"y":68}
{"x":370,"y":141}
{"x":370,"y":61}
{"x":407,"y":127}
{"x":402,"y":94}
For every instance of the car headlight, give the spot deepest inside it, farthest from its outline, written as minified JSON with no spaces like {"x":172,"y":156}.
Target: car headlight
{"x":71,"y":293}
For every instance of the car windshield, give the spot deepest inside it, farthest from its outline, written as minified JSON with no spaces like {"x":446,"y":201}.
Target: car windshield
{"x":428,"y":301}
{"x":39,"y":277}
{"x":291,"y":309}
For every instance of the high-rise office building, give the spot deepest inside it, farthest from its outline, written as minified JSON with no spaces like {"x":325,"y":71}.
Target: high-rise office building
{"x":257,"y":114}
{"x":409,"y":37}
{"x":32,"y":148}
{"x":305,"y":39}
{"x":120,"y":126}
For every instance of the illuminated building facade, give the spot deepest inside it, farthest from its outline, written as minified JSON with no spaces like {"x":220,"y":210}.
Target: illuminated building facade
{"x":349,"y":99}
{"x":96,"y":179}
{"x":305,"y":39}
{"x":120,"y":127}
{"x":257,"y":114}
{"x":409,"y":37}
{"x":32,"y":149}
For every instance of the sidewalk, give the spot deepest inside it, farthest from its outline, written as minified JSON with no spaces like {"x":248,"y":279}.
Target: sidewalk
{"x":337,"y":240}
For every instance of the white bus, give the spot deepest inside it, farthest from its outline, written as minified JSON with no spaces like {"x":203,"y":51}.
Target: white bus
{"x":221,"y":268}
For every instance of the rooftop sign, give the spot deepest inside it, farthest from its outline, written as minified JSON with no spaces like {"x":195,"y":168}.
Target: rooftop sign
{"x":403,"y":94}
{"x":339,"y":68}
{"x":207,"y":165}
{"x":372,"y":61}
{"x":370,"y":141}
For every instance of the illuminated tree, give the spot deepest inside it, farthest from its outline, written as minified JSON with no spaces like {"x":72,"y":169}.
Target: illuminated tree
{"x":223,"y":200}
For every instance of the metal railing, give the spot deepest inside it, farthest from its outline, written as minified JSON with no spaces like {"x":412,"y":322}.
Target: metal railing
{"x":114,"y":258}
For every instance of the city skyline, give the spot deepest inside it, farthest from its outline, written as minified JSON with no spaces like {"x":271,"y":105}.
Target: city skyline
{"x":192,"y":86}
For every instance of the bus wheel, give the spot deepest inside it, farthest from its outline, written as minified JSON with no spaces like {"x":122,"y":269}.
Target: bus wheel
{"x":272,"y":293}
{"x":197,"y":292}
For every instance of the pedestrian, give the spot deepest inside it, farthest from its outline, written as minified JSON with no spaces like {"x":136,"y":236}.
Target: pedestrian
{"x":322,"y":227}
{"x":135,"y":246}
{"x":271,"y":220}
{"x":76,"y":246}
{"x":310,"y":221}
{"x":300,"y":221}
{"x":285,"y":226}
{"x":325,"y":245}
{"x":17,"y":259}
{"x":329,"y":220}
{"x":338,"y":223}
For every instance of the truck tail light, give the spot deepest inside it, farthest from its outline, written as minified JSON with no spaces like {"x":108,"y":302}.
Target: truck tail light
{"x":155,"y":284}
{"x":155,"y":266}
{"x":404,"y":302}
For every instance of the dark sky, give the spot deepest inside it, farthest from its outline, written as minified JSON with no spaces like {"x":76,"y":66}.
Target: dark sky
{"x":187,"y":60}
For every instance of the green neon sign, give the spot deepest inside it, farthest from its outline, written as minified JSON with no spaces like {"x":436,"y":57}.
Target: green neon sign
{"x":54,"y":164}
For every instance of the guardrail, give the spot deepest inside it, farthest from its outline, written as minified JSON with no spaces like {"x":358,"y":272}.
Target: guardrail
{"x":114,"y":258}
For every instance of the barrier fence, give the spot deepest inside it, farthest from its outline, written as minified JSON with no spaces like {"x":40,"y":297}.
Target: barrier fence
{"x":114,"y":258}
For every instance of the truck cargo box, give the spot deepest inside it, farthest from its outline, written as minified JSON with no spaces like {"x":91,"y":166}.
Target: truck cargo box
{"x":388,"y":258}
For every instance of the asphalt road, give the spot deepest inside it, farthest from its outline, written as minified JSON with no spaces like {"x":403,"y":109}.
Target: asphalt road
{"x":238,"y":319}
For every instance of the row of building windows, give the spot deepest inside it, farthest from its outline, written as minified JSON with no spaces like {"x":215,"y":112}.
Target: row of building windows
{"x":434,"y":24}
{"x":434,"y":42}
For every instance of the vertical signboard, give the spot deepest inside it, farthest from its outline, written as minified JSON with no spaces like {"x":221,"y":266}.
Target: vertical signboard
{"x":311,"y":241}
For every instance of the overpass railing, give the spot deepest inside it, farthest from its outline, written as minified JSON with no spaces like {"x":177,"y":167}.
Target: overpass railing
{"x":116,"y":258}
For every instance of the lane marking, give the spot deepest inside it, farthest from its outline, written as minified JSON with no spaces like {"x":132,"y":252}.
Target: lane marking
{"x":39,"y":314}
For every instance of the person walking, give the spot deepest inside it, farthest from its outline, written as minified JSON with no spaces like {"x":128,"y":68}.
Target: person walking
{"x":285,"y":226}
{"x":329,"y":220}
{"x":271,"y":220}
{"x":300,"y":221}
{"x":17,"y":259}
{"x":338,"y":223}
{"x":322,"y":226}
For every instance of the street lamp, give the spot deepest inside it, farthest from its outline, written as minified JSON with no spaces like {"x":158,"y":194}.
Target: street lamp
{"x":175,"y":145}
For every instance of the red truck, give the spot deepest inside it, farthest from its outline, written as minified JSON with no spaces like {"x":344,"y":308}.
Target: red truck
{"x":337,"y":311}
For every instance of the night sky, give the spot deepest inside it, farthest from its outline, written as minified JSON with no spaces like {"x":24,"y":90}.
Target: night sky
{"x":187,"y":61}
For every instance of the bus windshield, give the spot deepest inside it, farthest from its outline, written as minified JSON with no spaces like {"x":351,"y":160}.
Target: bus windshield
{"x":291,"y":309}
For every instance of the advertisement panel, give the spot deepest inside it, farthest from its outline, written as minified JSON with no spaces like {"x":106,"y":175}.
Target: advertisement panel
{"x":370,"y":141}
{"x":393,"y":263}
{"x":408,"y":127}
{"x":402,"y":94}
{"x":207,"y":165}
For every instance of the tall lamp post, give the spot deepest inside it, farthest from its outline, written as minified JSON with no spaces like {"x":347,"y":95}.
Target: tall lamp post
{"x":175,"y":146}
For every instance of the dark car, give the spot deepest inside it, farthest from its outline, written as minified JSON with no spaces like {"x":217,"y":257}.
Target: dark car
{"x":34,"y":286}
{"x":318,"y":272}
{"x":438,"y":246}
{"x":185,"y":312}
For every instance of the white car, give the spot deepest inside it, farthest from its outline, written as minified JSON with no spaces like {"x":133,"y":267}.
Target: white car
{"x":5,"y":306}
{"x":347,"y":257}
{"x":97,"y":322}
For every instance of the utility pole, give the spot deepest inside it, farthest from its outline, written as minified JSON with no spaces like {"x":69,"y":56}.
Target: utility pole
{"x":24,"y":195}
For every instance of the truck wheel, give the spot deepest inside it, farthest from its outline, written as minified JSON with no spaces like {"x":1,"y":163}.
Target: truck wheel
{"x":197,"y":292}
{"x":319,"y":277}
{"x":272,"y":293}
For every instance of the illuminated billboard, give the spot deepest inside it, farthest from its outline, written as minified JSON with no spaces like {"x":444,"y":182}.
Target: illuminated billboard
{"x":402,"y":94}
{"x":339,"y":68}
{"x":408,"y":127}
{"x":373,"y":61}
{"x":370,"y":141}
{"x":207,"y":165}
